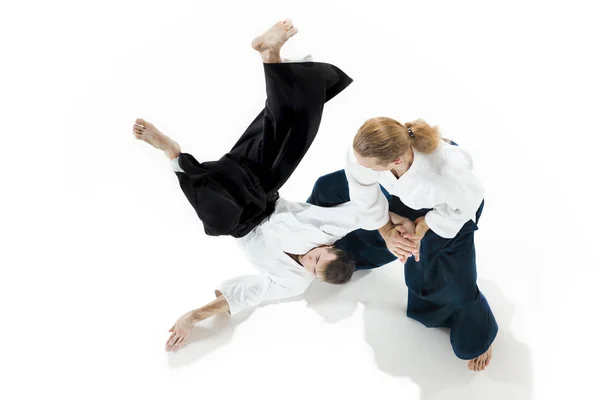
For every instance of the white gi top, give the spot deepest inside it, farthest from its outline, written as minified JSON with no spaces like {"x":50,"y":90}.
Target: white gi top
{"x":294,"y":228}
{"x":443,"y":181}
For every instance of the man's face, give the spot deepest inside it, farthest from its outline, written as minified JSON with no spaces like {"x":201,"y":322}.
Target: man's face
{"x":317,"y":259}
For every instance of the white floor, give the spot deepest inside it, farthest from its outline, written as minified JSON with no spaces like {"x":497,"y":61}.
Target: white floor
{"x":102,"y":252}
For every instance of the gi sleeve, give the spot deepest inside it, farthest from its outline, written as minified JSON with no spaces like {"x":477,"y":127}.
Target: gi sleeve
{"x":250,"y":290}
{"x":371,"y":205}
{"x":464,"y":194}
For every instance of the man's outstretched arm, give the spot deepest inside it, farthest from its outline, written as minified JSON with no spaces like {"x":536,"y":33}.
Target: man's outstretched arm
{"x":235,"y":295}
{"x":183,"y":326}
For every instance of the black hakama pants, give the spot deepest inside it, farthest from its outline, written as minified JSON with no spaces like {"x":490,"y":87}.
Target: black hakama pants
{"x":234,"y":194}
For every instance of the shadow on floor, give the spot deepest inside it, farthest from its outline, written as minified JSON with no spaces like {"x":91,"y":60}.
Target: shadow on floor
{"x":404,"y":347}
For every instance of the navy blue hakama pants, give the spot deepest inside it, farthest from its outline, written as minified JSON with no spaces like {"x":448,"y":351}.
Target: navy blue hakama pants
{"x":442,"y":286}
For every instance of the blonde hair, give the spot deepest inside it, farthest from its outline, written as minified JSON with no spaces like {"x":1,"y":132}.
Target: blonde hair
{"x":387,"y":139}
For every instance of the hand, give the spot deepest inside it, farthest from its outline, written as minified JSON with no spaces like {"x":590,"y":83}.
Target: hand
{"x":398,"y":245}
{"x":402,"y":224}
{"x":181,"y":332}
{"x":420,"y":231}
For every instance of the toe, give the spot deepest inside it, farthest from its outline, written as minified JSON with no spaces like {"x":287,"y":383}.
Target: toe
{"x":292,"y":32}
{"x":288,"y":23}
{"x":478,"y":364}
{"x":140,"y":121}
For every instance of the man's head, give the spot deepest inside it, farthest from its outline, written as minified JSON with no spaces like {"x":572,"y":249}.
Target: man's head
{"x":329,"y":264}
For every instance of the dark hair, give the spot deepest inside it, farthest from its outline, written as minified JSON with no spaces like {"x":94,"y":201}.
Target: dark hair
{"x":340,"y":270}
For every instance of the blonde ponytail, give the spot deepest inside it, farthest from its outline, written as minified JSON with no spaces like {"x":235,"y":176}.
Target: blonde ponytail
{"x":387,"y":139}
{"x":425,"y":137}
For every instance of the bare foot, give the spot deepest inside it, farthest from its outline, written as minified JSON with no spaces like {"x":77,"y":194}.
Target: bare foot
{"x":479,"y":363}
{"x":147,"y":132}
{"x":269,"y":43}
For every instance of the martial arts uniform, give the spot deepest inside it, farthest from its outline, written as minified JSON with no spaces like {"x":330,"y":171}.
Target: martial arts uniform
{"x":293,"y":228}
{"x":237,"y":195}
{"x":234,"y":194}
{"x":367,"y":247}
{"x":442,"y":286}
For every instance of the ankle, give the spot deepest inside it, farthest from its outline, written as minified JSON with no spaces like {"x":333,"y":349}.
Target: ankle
{"x":270,"y":57}
{"x":173,"y":151}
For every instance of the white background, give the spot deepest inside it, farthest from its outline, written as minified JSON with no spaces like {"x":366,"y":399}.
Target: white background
{"x":101,"y":252}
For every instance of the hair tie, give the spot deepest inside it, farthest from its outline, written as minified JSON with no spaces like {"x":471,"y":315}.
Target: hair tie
{"x":410,"y":133}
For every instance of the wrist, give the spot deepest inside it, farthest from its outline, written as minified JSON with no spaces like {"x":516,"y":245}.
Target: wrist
{"x":422,"y":228}
{"x":386,"y":228}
